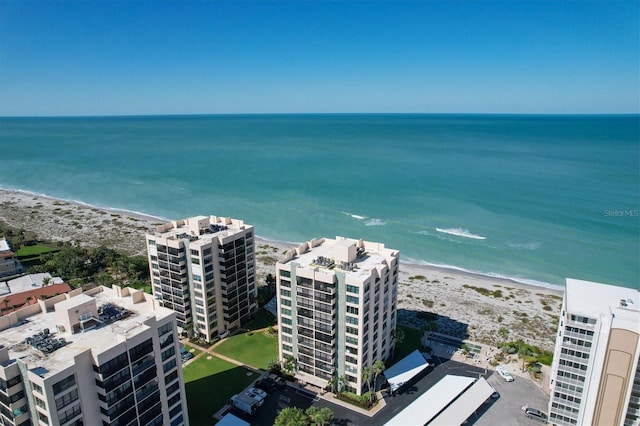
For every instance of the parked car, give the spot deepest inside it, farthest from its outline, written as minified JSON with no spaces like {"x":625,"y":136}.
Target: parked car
{"x":255,"y":393}
{"x":502,"y":371}
{"x":280,"y":382}
{"x":533,"y":413}
{"x":266,"y":384}
{"x":185,"y":355}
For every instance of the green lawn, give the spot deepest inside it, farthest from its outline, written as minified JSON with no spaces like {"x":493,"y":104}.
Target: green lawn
{"x":209,"y":384}
{"x":35,"y":250}
{"x":251,"y":348}
{"x":193,"y":350}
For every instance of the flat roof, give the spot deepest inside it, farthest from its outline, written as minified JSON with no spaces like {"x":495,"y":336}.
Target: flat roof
{"x":201,"y":229}
{"x":375,"y":254}
{"x":597,"y":300}
{"x":27,"y":282}
{"x":463,"y":407}
{"x":432,"y":402}
{"x":405,"y":369}
{"x":98,"y":339}
{"x":230,"y":420}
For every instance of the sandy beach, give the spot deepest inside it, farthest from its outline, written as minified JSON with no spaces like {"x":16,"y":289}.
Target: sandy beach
{"x":482,"y":309}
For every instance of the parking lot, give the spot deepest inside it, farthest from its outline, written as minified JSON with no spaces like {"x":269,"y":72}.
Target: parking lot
{"x":505,"y":410}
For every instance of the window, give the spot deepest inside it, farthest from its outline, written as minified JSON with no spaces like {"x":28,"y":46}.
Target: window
{"x":40,"y":403}
{"x":66,"y":399}
{"x":284,"y":273}
{"x":353,"y":289}
{"x":285,"y":293}
{"x":353,"y":299}
{"x":352,"y":330}
{"x":352,"y":310}
{"x":36,"y":387}
{"x":352,"y":320}
{"x":44,"y":419}
{"x":64,"y":384}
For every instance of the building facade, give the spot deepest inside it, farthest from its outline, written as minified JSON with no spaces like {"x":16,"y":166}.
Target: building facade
{"x":337,"y":309}
{"x":107,"y":356}
{"x":595,"y":376}
{"x":9,"y":263}
{"x":203,"y":269}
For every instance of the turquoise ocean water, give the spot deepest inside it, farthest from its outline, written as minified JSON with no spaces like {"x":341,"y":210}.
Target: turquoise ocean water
{"x":535,"y":198}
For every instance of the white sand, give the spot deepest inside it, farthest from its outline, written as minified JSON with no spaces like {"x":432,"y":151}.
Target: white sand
{"x":519,"y":310}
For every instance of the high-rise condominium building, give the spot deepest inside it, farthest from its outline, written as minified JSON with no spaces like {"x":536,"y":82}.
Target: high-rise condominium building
{"x":337,"y":308}
{"x":595,"y":377}
{"x":103,"y":357}
{"x":203,"y":268}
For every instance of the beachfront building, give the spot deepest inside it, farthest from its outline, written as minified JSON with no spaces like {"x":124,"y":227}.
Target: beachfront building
{"x":107,"y":356}
{"x":336,"y":309}
{"x":9,"y":263}
{"x":203,"y":269}
{"x":595,"y":377}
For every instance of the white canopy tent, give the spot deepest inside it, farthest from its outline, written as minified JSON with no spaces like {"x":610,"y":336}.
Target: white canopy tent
{"x":405,"y":369}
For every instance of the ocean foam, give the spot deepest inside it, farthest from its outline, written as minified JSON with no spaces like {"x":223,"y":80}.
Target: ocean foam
{"x":375,"y":222}
{"x":460,"y":232}
{"x":355,"y":216}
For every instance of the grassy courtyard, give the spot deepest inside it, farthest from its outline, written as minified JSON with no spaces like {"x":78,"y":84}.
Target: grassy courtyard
{"x":256,"y":349}
{"x":209,"y":384}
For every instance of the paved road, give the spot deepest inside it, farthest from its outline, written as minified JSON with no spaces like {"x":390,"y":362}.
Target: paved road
{"x":293,"y":396}
{"x":507,"y":410}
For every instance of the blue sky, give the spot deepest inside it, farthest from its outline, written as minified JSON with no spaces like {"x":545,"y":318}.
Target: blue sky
{"x":163,"y":57}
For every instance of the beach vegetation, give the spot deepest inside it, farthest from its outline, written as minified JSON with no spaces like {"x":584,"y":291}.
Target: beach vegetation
{"x":529,"y":354}
{"x":418,"y":277}
{"x":428,"y":303}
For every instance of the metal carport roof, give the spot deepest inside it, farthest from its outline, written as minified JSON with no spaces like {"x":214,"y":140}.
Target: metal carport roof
{"x":432,"y":402}
{"x":463,"y":407}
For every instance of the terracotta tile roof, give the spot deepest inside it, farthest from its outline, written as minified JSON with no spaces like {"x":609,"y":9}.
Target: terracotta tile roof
{"x":19,"y":299}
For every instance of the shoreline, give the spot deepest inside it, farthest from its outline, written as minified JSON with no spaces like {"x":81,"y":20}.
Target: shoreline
{"x":410,"y":263}
{"x":486,"y":309}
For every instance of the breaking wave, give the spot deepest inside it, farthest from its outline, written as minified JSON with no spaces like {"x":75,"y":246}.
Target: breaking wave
{"x":460,"y":232}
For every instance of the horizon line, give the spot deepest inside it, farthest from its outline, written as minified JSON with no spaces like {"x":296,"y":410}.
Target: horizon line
{"x":320,"y":113}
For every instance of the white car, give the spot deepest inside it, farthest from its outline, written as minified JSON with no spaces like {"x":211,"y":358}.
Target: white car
{"x":257,"y":394}
{"x":502,"y":371}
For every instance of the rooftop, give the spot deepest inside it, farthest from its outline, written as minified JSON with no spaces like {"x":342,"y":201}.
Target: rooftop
{"x":27,"y":282}
{"x":119,"y":318}
{"x":204,"y":228}
{"x":355,"y":257}
{"x":597,"y":299}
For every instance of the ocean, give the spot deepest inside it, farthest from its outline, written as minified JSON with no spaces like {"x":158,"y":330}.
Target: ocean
{"x":534,"y":198}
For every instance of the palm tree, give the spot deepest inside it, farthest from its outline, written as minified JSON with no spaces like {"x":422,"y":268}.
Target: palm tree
{"x":367,"y":374}
{"x":291,"y":416}
{"x":29,"y":299}
{"x":319,"y":416}
{"x":398,"y":338}
{"x":6,"y":303}
{"x":336,"y":383}
{"x":378,"y":368}
{"x":45,"y":281}
{"x":289,"y":364}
